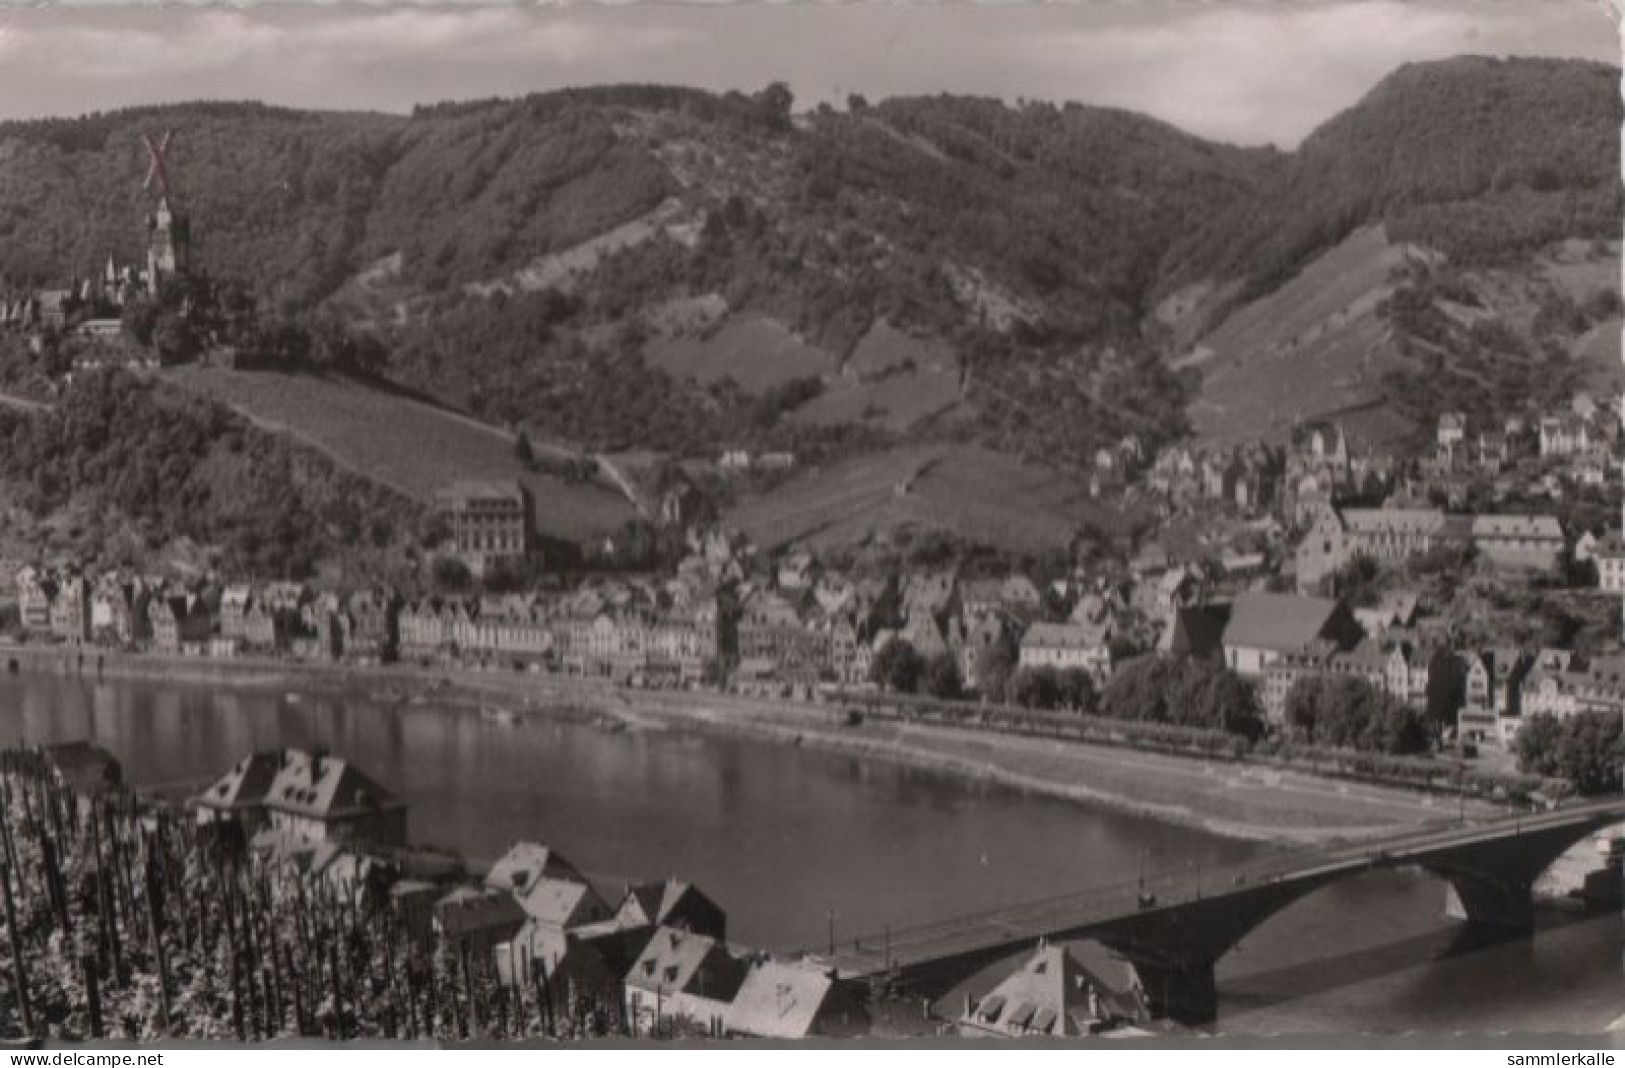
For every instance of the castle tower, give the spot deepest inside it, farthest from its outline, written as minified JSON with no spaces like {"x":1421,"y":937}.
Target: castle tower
{"x":168,"y":236}
{"x":167,"y":245}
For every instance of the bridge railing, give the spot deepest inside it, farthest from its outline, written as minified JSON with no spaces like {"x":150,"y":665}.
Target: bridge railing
{"x":1166,"y":888}
{"x":874,"y":950}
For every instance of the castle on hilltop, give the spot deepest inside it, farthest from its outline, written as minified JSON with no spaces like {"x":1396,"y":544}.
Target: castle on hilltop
{"x":93,"y":303}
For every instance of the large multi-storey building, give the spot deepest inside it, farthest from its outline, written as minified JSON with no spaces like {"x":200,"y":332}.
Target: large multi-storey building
{"x":490,"y":522}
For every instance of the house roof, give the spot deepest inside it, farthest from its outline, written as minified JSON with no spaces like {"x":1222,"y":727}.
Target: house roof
{"x":85,"y":767}
{"x":1610,"y":545}
{"x":476,"y":908}
{"x":245,"y":784}
{"x":657,"y":901}
{"x":557,"y":901}
{"x":1517,"y":526}
{"x":780,"y":999}
{"x":1196,"y":631}
{"x":1048,"y":994}
{"x":671,"y":960}
{"x":1064,"y":635}
{"x":325,"y":787}
{"x":463,"y":491}
{"x":527,"y":863}
{"x":1277,"y":621}
{"x":1393,"y":520}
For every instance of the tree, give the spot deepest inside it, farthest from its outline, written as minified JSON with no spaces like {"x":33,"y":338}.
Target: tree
{"x":941,"y":677}
{"x":1038,"y":688}
{"x":1139,"y":690}
{"x":995,"y":664}
{"x":1219,"y":699}
{"x":1076,"y":690}
{"x":175,"y":339}
{"x":452,"y":574}
{"x":1398,"y":729}
{"x":1535,"y":744}
{"x":1446,"y":690}
{"x":1357,"y":581}
{"x":896,"y":667}
{"x":1345,"y":712}
{"x":1591,"y":751}
{"x":774,"y":104}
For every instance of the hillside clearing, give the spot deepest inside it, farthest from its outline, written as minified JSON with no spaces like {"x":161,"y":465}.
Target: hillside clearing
{"x":758,"y":353}
{"x":1311,"y":348}
{"x":983,"y":496}
{"x":892,"y":379}
{"x":405,"y":444}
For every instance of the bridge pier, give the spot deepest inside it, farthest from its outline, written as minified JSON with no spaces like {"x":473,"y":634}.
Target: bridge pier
{"x":1182,"y":991}
{"x":1508,"y":904}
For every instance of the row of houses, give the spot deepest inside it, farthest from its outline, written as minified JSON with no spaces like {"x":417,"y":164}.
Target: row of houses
{"x":1506,"y":685}
{"x":660,"y":950}
{"x":1274,"y":640}
{"x":137,"y":613}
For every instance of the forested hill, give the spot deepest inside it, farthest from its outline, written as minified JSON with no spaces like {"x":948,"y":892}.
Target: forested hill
{"x":668,"y":268}
{"x":1482,"y":159}
{"x":1048,"y":200}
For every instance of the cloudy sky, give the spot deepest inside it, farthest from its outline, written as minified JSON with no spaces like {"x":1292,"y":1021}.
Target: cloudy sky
{"x":1251,"y":71}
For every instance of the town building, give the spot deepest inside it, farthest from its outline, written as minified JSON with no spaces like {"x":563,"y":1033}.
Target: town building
{"x":477,"y":920}
{"x":1492,"y":711}
{"x":1564,"y":435}
{"x":490,"y":523}
{"x":35,"y":591}
{"x":1263,"y":627}
{"x":795,"y":999}
{"x":87,"y":770}
{"x":311,"y":796}
{"x":1519,"y":541}
{"x":1050,"y":995}
{"x":564,"y":964}
{"x":675,"y":904}
{"x":70,"y":610}
{"x":682,"y":979}
{"x":1066,"y":646}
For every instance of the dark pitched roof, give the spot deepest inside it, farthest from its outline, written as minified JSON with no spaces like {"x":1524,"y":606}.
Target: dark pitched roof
{"x":1278,"y":621}
{"x":1197,"y":631}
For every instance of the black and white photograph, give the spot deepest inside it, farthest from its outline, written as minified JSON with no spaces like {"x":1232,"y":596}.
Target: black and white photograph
{"x":654,"y":524}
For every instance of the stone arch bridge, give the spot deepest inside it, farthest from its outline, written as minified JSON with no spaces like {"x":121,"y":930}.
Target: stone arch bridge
{"x":1172,"y":930}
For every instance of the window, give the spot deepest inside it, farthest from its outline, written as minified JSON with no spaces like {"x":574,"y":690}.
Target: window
{"x":990,"y":1008}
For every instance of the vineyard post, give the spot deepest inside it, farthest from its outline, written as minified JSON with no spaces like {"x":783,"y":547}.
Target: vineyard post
{"x":93,"y":994}
{"x":19,"y":971}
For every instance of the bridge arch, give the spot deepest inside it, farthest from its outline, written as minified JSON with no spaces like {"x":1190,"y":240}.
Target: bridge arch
{"x":1173,"y":946}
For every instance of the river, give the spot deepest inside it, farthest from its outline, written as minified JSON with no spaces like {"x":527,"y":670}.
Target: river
{"x":784,"y":838}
